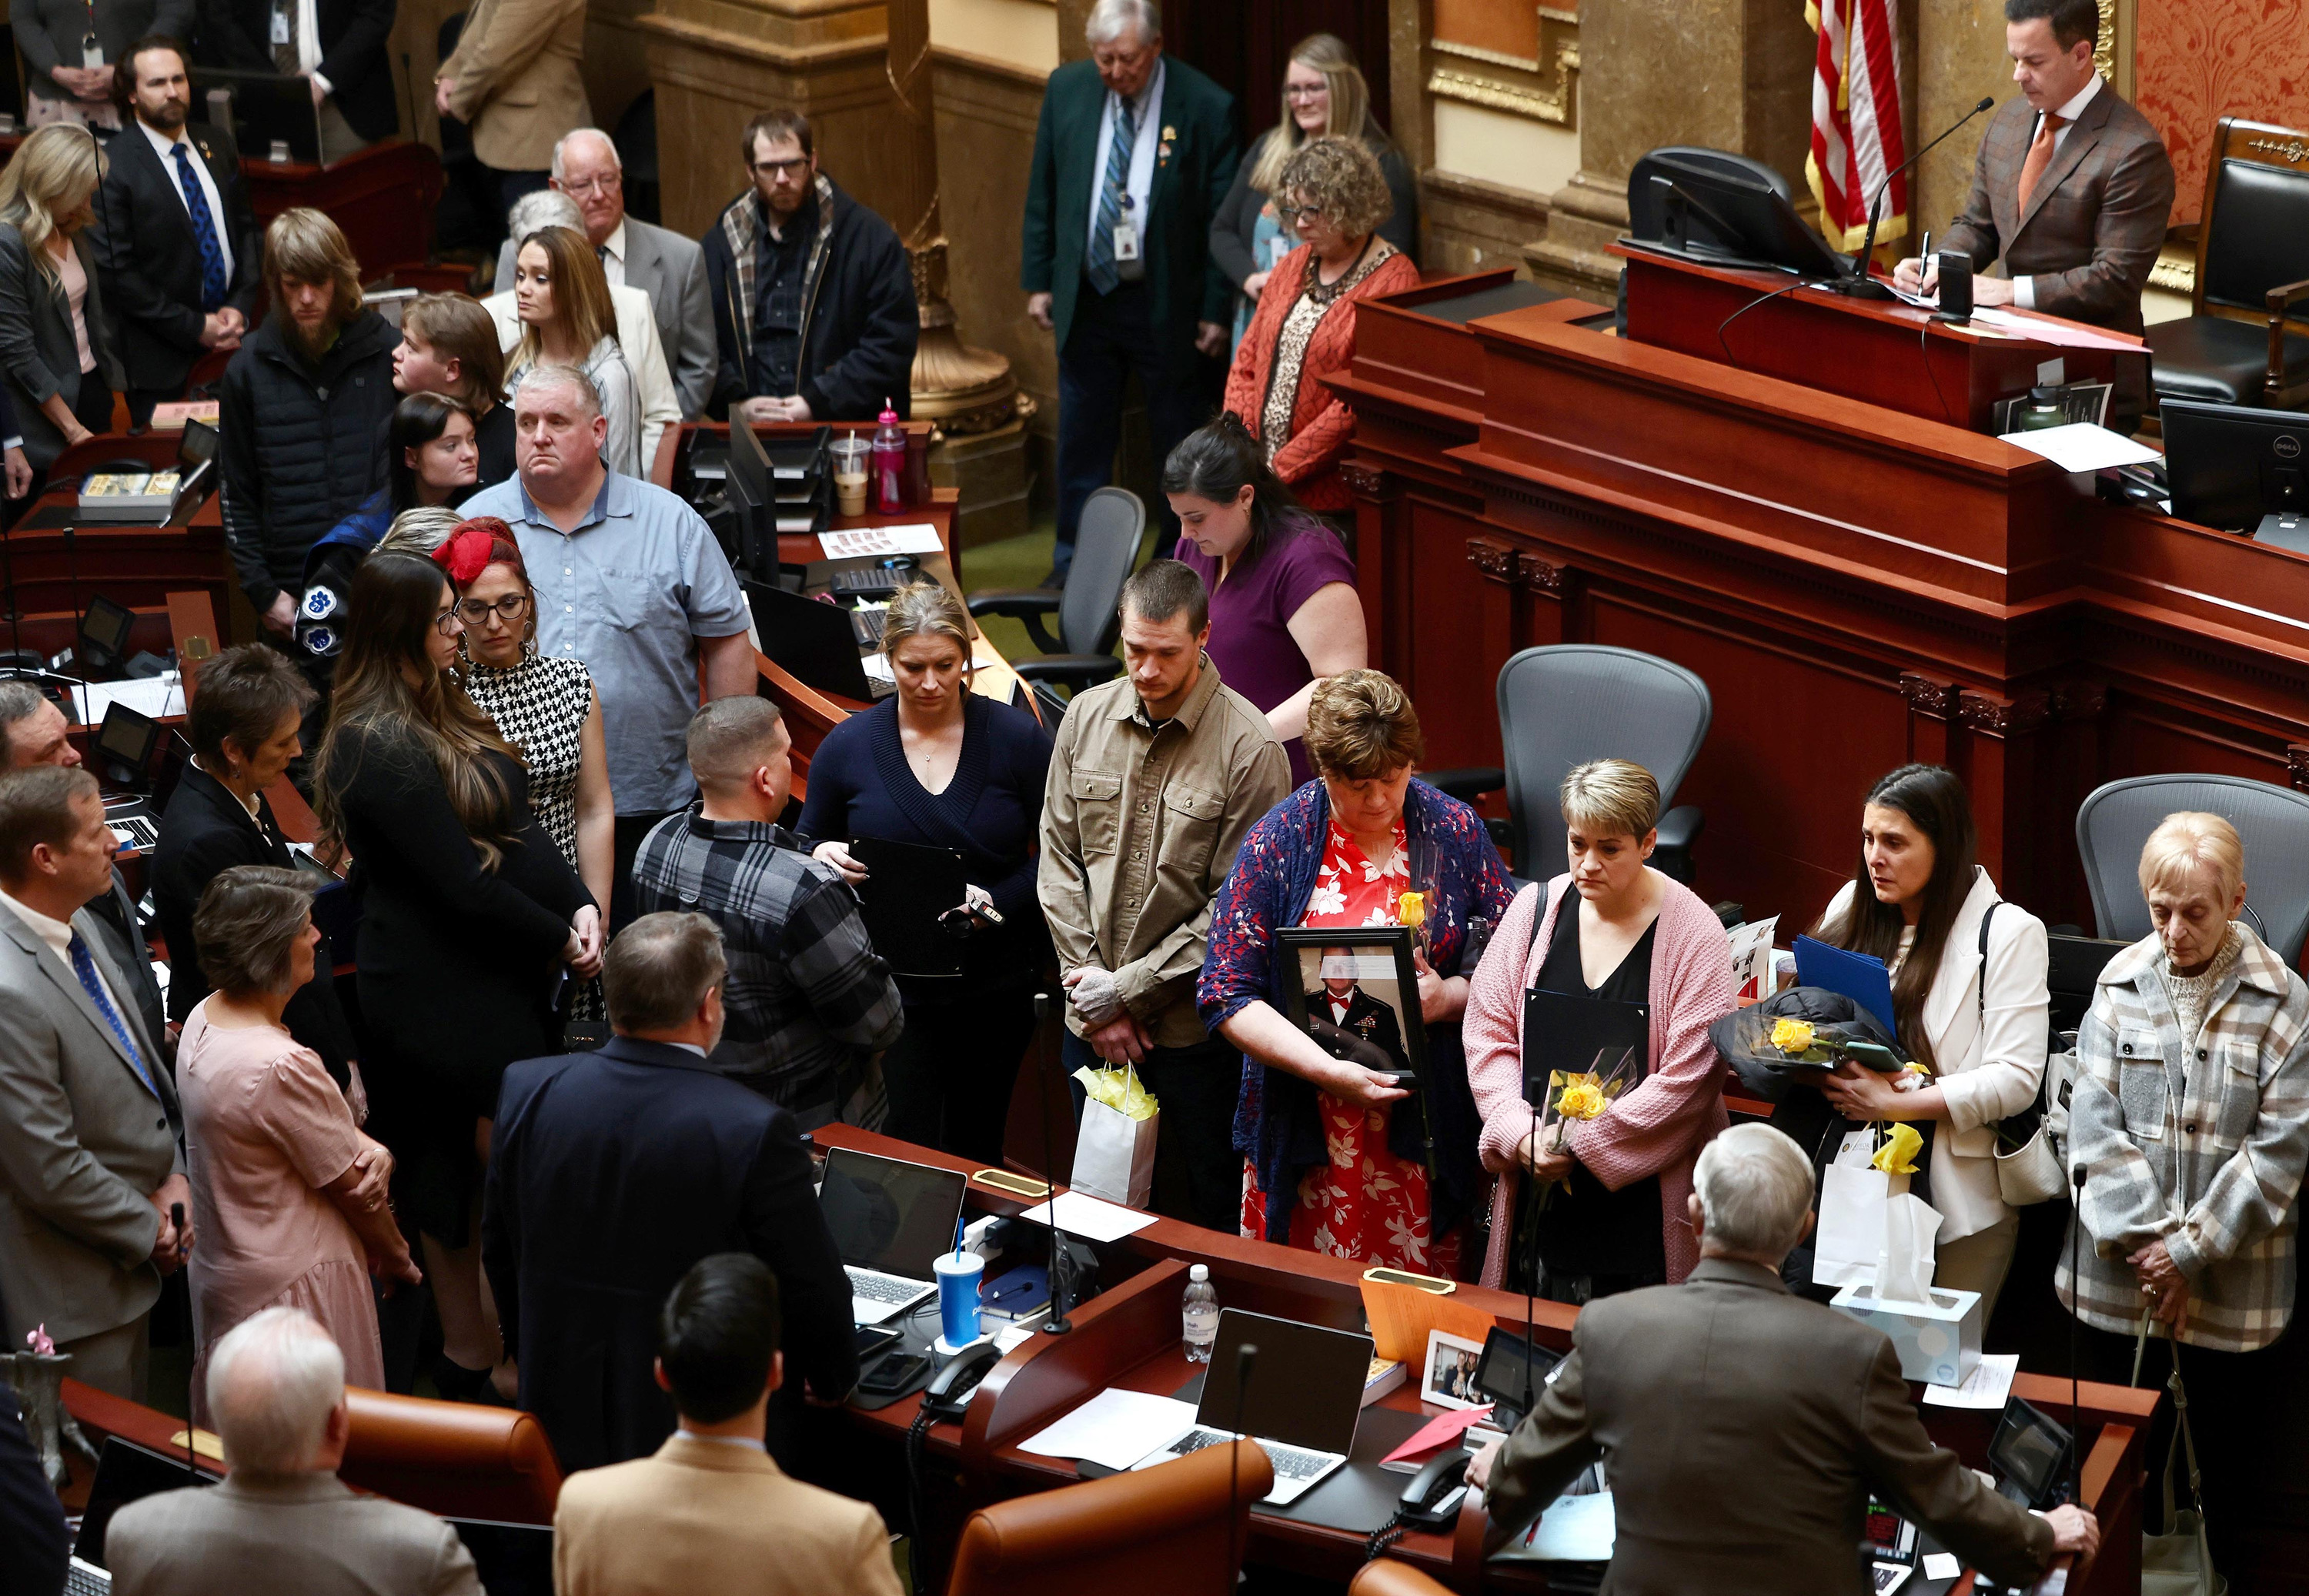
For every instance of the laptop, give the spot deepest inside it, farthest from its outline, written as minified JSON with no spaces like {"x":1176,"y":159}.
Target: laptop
{"x":815,"y":641}
{"x":1305,"y":1397}
{"x":890,"y":1220}
{"x":512,"y":1559}
{"x":126,"y":1472}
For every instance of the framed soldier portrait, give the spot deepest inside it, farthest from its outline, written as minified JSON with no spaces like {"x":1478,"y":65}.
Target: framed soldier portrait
{"x":1357,"y":993}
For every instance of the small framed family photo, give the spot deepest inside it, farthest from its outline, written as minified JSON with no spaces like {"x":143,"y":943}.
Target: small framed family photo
{"x":1357,"y":995}
{"x":1449,"y":1378}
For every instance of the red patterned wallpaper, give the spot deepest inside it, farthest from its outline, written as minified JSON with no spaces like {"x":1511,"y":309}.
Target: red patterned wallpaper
{"x":2197,"y":61}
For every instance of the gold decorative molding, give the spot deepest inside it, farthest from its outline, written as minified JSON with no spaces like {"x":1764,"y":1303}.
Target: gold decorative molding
{"x":1543,"y":87}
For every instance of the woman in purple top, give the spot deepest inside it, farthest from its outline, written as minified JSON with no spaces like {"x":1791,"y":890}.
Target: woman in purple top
{"x":1284,"y":613}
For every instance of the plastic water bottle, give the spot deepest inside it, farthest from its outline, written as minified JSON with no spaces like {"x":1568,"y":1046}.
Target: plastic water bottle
{"x":889,"y":462}
{"x":1201,"y":1312}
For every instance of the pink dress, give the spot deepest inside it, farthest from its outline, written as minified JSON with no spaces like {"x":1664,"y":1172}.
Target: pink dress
{"x":264,"y":1129}
{"x":1366,"y":1204}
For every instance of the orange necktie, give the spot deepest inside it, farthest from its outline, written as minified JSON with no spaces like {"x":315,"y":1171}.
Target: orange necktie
{"x":2039,"y":157}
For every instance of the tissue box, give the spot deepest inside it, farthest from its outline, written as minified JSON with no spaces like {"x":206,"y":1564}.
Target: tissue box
{"x":1938,"y":1344}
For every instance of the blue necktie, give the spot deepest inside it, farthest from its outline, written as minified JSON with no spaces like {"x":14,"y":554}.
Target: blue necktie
{"x":212,"y":277}
{"x":84,"y":966}
{"x":1100,"y":267}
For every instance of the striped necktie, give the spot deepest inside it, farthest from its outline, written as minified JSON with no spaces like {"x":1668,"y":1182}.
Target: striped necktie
{"x":84,"y":966}
{"x":1100,"y":267}
{"x":205,"y":234}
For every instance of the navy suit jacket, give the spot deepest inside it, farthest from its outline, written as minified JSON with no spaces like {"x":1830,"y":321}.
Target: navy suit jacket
{"x":611,"y":1174}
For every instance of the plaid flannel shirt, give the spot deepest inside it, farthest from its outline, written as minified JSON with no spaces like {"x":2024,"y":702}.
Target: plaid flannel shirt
{"x":2201,"y":1147}
{"x":808,"y":1002}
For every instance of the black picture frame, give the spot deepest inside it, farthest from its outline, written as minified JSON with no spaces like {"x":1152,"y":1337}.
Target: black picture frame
{"x":1394,"y":994}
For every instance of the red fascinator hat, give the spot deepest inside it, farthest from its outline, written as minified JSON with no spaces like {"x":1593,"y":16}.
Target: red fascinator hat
{"x":474,"y":546}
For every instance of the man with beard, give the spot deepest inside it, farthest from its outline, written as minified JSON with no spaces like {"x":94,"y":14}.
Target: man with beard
{"x":175,"y":239}
{"x":303,"y":402}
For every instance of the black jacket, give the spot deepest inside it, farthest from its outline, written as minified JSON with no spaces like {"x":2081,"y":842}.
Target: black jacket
{"x":206,"y":833}
{"x":39,"y":354}
{"x":33,"y":1529}
{"x":611,"y":1174}
{"x":859,"y":320}
{"x":353,"y":58}
{"x":297,"y":451}
{"x":151,"y":262}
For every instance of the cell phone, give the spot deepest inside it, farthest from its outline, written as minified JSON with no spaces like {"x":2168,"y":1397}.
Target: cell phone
{"x":1874,"y":1054}
{"x":872,"y":1338}
{"x":895,"y":1375}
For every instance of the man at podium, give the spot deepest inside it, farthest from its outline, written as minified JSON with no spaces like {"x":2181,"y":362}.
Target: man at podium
{"x":2072,"y":190}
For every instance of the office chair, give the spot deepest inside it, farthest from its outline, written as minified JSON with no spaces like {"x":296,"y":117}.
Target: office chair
{"x":1645,"y":220}
{"x":1106,"y":550}
{"x":2245,"y":340}
{"x":2272,"y":822}
{"x":459,"y":1459}
{"x":1563,"y":706}
{"x":1155,"y":1532}
{"x":1387,"y":1577}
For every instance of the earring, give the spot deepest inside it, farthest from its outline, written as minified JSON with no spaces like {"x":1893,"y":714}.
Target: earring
{"x":529,"y":640}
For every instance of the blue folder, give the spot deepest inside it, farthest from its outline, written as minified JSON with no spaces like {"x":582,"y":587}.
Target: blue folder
{"x":1861,"y":977}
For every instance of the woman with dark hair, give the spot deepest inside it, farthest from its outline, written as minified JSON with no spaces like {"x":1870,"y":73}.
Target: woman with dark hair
{"x":1284,"y":613}
{"x":470,"y":916}
{"x":1970,"y":998}
{"x":567,"y":318}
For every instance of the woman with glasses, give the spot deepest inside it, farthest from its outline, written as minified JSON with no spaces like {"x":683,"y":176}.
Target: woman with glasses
{"x":470,"y":921}
{"x":1332,"y":197}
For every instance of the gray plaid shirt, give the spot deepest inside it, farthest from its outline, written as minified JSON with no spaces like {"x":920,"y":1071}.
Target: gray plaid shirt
{"x":2200,"y":1146}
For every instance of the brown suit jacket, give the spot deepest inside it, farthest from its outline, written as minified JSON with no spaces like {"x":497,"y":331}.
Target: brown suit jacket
{"x":1744,"y":1429}
{"x":706,"y":1516}
{"x":518,"y":86}
{"x":2095,"y":221}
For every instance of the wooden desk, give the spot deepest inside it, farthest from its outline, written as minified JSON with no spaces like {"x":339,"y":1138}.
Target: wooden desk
{"x":800,"y":549}
{"x":383,"y":197}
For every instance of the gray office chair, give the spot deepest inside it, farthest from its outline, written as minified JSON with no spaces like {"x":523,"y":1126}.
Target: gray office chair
{"x":1106,"y":551}
{"x":1563,"y":706}
{"x":2272,"y":822}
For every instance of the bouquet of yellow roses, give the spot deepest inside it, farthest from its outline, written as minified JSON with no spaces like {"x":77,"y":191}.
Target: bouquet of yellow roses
{"x":1575,"y":1097}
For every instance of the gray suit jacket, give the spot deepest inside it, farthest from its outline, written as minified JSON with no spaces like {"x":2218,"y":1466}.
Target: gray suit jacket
{"x":1745,"y":1428}
{"x":38,"y":353}
{"x":302,"y":1535}
{"x":671,"y":270}
{"x":83,"y":1144}
{"x":2095,"y":221}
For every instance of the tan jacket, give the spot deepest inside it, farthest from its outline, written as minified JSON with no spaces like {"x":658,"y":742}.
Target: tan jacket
{"x":1743,"y":1430}
{"x":702,"y":1516}
{"x":1140,"y":825}
{"x":518,"y":88}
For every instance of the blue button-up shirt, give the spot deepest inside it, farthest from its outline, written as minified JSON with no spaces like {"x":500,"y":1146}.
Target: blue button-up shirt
{"x":630,"y":592}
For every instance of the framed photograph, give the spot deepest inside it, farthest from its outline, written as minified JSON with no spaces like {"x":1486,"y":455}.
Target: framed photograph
{"x":1358,"y":995}
{"x":1448,"y":1376}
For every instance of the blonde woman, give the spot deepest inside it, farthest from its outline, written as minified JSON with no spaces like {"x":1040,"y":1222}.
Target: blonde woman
{"x":938,"y":765}
{"x":57,"y":364}
{"x":1323,"y":95}
{"x":568,"y":319}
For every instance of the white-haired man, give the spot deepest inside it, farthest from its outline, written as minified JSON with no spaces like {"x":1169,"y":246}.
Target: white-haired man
{"x":1730,"y":1377}
{"x":658,"y":261}
{"x":282,"y":1520}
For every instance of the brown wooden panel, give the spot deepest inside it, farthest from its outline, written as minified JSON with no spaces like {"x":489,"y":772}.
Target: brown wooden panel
{"x":1454,"y":668}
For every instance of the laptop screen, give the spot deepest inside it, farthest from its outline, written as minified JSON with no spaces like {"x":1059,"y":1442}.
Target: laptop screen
{"x":512,"y":1559}
{"x":890,"y":1216}
{"x":1306,"y":1384}
{"x":126,"y":1472}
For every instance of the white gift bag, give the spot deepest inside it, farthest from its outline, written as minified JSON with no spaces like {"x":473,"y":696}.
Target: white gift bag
{"x":1114,"y":1154}
{"x":1852,"y":1205}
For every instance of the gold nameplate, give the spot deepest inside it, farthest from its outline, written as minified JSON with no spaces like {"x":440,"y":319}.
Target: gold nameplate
{"x":203,"y":1442}
{"x":195,"y":647}
{"x":1015,"y":1185}
{"x":1433,"y":1285}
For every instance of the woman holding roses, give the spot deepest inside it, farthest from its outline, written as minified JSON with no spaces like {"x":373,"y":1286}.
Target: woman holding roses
{"x":1613,"y":928}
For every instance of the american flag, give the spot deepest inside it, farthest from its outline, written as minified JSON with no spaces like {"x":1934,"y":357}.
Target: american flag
{"x":1856,"y":118}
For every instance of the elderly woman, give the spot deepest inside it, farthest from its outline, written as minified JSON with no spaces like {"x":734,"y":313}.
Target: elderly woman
{"x":1332,"y":1156}
{"x":1331,"y":196}
{"x":2189,"y":1121}
{"x":288,"y":1197}
{"x":1610,"y":927}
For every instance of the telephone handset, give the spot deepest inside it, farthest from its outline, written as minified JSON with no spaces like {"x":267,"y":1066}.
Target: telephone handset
{"x":948,"y":1397}
{"x":1431,"y":1500}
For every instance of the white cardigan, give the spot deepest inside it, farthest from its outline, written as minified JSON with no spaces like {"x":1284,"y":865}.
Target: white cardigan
{"x":1984,"y":1074}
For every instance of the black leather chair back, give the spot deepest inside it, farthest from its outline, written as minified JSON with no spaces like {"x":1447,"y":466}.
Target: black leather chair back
{"x":2260,"y":238}
{"x":1645,"y":221}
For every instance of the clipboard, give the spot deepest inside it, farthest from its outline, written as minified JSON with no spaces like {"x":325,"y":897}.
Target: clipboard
{"x":1564,"y":1031}
{"x":1864,"y":978}
{"x":908,"y":889}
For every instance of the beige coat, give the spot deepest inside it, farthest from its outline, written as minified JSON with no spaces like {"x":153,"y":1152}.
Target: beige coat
{"x":517,"y":83}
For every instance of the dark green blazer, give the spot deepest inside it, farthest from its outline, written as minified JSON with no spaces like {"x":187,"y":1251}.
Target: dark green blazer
{"x":1194,"y":165}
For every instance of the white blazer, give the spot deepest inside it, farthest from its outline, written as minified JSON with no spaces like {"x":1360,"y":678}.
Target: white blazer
{"x":1985,"y":1072}
{"x":645,"y":354}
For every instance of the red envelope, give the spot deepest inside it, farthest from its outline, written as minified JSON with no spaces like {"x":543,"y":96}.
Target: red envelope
{"x":1438,"y":1433}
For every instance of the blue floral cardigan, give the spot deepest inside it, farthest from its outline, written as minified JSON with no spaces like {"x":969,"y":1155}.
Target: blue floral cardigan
{"x":1278,"y":1123}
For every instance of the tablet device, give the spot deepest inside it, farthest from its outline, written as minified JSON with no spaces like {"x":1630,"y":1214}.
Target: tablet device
{"x":908,"y":890}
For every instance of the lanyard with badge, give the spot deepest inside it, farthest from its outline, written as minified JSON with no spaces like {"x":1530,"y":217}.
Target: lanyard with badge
{"x":91,"y":52}
{"x":1128,"y":265}
{"x":282,"y":21}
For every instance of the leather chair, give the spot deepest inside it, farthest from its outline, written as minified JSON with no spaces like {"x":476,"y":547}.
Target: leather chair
{"x":2272,"y":822}
{"x":1388,"y":1577}
{"x":1155,"y":1532}
{"x":2243,"y":340}
{"x":1106,"y":551}
{"x":459,"y":1460}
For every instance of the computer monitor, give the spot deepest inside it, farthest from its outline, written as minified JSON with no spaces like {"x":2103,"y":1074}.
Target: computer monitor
{"x":2233,"y":466}
{"x":889,"y":1215}
{"x":198,"y":445}
{"x":2030,"y":1453}
{"x":1507,"y":1363}
{"x":104,"y":626}
{"x":812,"y":640}
{"x":1306,"y":1386}
{"x":753,"y":498}
{"x":1742,"y":222}
{"x":512,"y":1559}
{"x":125,"y":744}
{"x":128,"y":1472}
{"x":267,"y":107}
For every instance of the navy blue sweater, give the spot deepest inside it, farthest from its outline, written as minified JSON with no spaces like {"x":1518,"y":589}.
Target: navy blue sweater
{"x":860,"y":785}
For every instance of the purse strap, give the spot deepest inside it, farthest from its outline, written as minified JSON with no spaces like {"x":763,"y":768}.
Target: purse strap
{"x":2184,"y":1440}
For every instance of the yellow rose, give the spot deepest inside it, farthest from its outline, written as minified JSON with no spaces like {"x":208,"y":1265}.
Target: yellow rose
{"x":1792,"y":1036}
{"x":1411,"y":909}
{"x":1898,"y":1156}
{"x":1582,"y":1100}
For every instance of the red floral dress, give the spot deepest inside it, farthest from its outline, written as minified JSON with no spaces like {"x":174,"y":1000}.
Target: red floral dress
{"x":1366,"y":1204}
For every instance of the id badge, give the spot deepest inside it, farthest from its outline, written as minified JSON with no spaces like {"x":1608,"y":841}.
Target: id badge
{"x":1126,"y":241}
{"x":92,"y":53}
{"x":281,"y":24}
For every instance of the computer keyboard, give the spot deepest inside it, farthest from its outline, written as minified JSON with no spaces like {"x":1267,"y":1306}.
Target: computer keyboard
{"x":84,"y":1580}
{"x":1290,"y":1462}
{"x":876,"y":1287}
{"x":134,"y":831}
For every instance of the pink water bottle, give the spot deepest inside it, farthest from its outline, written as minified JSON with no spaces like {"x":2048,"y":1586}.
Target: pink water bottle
{"x":889,"y":462}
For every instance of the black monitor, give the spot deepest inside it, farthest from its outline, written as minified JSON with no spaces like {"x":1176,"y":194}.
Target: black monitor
{"x":811,"y":639}
{"x":1306,"y":1386}
{"x":2236,"y":467}
{"x":125,"y":744}
{"x":754,"y":499}
{"x":126,"y":1472}
{"x":511,"y":1559}
{"x":890,"y":1216}
{"x":1509,"y":1362}
{"x":104,"y":630}
{"x":2030,"y":1455}
{"x":267,"y":108}
{"x":1726,"y":219}
{"x":198,"y":445}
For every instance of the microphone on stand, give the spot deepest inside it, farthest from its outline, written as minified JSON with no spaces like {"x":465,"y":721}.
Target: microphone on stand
{"x":2076,"y":1407}
{"x":1531,"y":1273}
{"x":1057,"y":1324}
{"x":1859,"y":285}
{"x":1246,"y":1357}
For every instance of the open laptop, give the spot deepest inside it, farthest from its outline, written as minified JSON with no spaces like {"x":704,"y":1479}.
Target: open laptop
{"x":1305,"y":1397}
{"x":126,"y":1472}
{"x":511,"y":1559}
{"x":815,"y":641}
{"x":890,"y":1220}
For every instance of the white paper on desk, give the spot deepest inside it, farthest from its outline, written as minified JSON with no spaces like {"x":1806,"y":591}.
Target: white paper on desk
{"x":1089,"y":1218}
{"x":854,"y":541}
{"x":878,"y":666}
{"x":1573,"y":1529}
{"x":1114,"y":1428}
{"x":155,"y":697}
{"x":1987,"y":1387}
{"x":2061,"y":334}
{"x":1942,"y":1565}
{"x":2080,"y":446}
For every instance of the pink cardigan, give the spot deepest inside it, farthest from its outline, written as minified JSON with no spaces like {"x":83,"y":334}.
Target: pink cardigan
{"x":1659,"y":1126}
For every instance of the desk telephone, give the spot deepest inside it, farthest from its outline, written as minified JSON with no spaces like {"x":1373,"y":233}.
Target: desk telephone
{"x":948,"y":1397}
{"x":1432,"y":1498}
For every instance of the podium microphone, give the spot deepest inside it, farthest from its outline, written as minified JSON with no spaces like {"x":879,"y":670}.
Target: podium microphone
{"x":1060,"y":1263}
{"x":1859,"y":285}
{"x":2076,"y":1406}
{"x":1246,"y":1357}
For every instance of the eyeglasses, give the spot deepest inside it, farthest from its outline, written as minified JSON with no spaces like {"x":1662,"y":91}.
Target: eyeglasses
{"x":586,"y":188}
{"x":446,"y":624}
{"x":508,"y":609}
{"x":1289,"y":214}
{"x":782,"y":169}
{"x":1307,"y":91}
